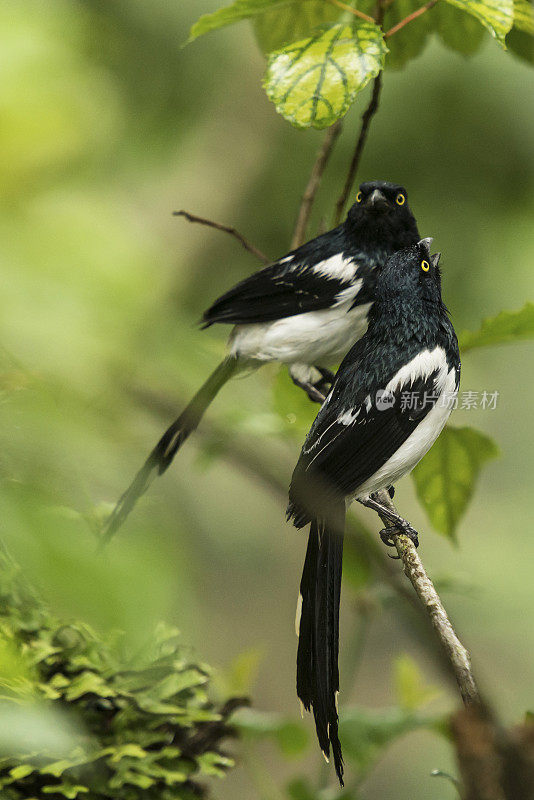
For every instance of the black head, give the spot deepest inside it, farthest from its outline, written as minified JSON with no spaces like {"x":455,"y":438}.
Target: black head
{"x":381,"y":211}
{"x":413,"y":272}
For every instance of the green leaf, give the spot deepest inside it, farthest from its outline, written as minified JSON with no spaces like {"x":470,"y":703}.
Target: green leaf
{"x":243,"y":671}
{"x":365,"y":734}
{"x":294,"y":21}
{"x":291,"y":737}
{"x":508,"y":326}
{"x":445,"y":479}
{"x":300,"y":789}
{"x":524,"y":16}
{"x":410,"y":686}
{"x":88,"y":683}
{"x":69,"y":790}
{"x":18,"y":773}
{"x":458,"y":31}
{"x":313,"y":82}
{"x":241,"y":9}
{"x":496,"y":15}
{"x":411,"y":40}
{"x":521,"y":44}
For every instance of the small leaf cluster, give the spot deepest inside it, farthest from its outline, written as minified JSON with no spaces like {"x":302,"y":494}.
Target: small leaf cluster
{"x":322,"y":53}
{"x":133,"y":728}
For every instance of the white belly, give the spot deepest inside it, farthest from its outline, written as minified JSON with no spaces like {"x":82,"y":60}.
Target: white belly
{"x":317,"y":337}
{"x":416,"y":445}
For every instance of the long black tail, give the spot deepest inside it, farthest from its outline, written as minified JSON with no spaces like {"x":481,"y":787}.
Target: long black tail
{"x":162,"y":455}
{"x":318,"y":632}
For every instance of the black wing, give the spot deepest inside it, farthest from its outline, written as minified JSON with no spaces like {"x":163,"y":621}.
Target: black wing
{"x":288,"y":287}
{"x":339,"y":456}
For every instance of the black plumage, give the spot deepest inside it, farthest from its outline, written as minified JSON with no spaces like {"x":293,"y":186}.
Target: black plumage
{"x":305,"y":310}
{"x":364,"y":438}
{"x":292,"y":286}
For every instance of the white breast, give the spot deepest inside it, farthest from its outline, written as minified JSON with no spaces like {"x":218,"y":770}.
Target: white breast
{"x":316,"y":337}
{"x":423,"y":437}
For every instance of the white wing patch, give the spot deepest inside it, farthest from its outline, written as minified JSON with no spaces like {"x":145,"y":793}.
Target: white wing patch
{"x":348,"y":294}
{"x":422,"y":366}
{"x":344,"y":269}
{"x":348,"y":417}
{"x":425,"y":434}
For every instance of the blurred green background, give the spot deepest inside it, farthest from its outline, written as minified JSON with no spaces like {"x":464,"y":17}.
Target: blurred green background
{"x":107,"y":126}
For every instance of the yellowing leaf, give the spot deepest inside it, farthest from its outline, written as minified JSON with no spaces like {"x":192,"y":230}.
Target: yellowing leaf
{"x":496,"y":15}
{"x":445,"y":478}
{"x":508,"y":326}
{"x":313,"y":82}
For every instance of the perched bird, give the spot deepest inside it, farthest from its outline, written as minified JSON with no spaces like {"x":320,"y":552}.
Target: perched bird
{"x":305,"y":310}
{"x":390,"y":399}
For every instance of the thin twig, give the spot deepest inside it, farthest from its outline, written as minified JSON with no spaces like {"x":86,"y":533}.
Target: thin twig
{"x":352,"y":10}
{"x":409,"y":18}
{"x":308,"y":198}
{"x":247,"y":459}
{"x":415,"y":571}
{"x":367,"y":116}
{"x":232,"y":231}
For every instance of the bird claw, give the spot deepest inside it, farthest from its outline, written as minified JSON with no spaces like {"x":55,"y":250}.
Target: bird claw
{"x":326,"y":380}
{"x":314,"y":393}
{"x":387,"y":535}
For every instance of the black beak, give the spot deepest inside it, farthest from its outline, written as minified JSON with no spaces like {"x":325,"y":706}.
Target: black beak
{"x":377,"y":202}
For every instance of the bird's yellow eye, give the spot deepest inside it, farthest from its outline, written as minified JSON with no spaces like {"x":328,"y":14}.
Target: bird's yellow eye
{"x":400,"y":199}
{"x":425,"y":266}
{"x":359,"y":197}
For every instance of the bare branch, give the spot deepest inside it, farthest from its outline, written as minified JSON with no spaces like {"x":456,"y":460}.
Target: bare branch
{"x":367,"y":116}
{"x":308,"y":198}
{"x":410,"y":17}
{"x":352,"y":10}
{"x":247,"y":458}
{"x":415,"y":571}
{"x":226,"y":229}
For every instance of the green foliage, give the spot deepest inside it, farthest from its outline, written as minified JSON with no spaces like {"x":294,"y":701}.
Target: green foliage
{"x":320,"y":57}
{"x":365,"y":734}
{"x":314,"y":81}
{"x":445,"y":479}
{"x":292,"y":22}
{"x":496,"y":15}
{"x":458,"y":31}
{"x":241,"y":9}
{"x":411,"y":689}
{"x":506,"y":327}
{"x":96,"y":723}
{"x":290,"y":736}
{"x":524,"y":16}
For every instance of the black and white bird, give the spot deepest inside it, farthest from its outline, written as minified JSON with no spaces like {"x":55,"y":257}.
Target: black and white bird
{"x":390,"y":399}
{"x":304,"y":310}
